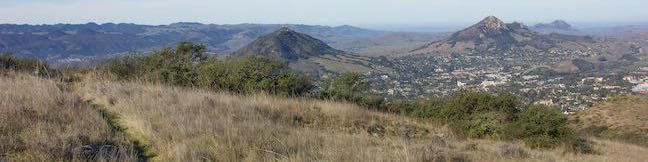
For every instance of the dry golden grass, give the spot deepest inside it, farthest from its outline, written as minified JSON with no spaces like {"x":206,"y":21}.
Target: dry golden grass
{"x":623,"y":117}
{"x":188,"y":125}
{"x":41,"y":121}
{"x":179,"y":124}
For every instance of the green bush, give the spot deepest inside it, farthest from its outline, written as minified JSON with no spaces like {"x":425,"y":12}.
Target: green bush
{"x":123,"y":68}
{"x":469,"y":113}
{"x":474,"y":105}
{"x":479,"y":115}
{"x":372,"y":101}
{"x":186,"y":65}
{"x":10,"y":62}
{"x":239,"y":75}
{"x":252,"y":74}
{"x":350,"y":87}
{"x":293,"y":84}
{"x":403,"y":107}
{"x":169,"y":66}
{"x":174,"y":67}
{"x":428,"y":109}
{"x":475,"y":128}
{"x":541,"y":127}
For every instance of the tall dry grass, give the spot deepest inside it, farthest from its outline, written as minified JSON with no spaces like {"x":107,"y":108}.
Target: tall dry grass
{"x":179,"y":124}
{"x":193,"y":125}
{"x":41,"y":121}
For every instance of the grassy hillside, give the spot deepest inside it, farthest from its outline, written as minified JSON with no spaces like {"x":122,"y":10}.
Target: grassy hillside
{"x":184,"y":124}
{"x":40,"y":120}
{"x":623,"y":118}
{"x":170,"y":107}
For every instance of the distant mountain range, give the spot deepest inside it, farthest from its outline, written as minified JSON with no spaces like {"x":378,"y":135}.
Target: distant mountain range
{"x":98,"y":40}
{"x":491,"y":35}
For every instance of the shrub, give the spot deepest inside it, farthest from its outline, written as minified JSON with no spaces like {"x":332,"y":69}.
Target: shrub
{"x":10,"y":62}
{"x":123,"y":68}
{"x":403,"y":107}
{"x":428,"y":109}
{"x":174,"y":67}
{"x":475,"y":128}
{"x":350,"y":87}
{"x":289,"y":83}
{"x":478,"y":114}
{"x":472,"y":105}
{"x":541,"y":127}
{"x":186,"y":65}
{"x":252,"y":74}
{"x":372,"y":101}
{"x":169,"y":66}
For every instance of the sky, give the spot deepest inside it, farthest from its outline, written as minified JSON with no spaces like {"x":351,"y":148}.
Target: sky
{"x":320,"y":12}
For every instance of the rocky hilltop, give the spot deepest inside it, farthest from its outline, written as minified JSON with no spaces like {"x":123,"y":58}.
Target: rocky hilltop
{"x":493,"y":36}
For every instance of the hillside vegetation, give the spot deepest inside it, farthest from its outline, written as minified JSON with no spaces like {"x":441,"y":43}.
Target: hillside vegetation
{"x":177,"y":105}
{"x":186,"y":124}
{"x":622,"y":118}
{"x":187,"y":66}
{"x":11,"y":63}
{"x":41,"y":120}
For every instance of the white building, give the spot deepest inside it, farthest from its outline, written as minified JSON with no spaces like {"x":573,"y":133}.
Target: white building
{"x":460,"y":84}
{"x":641,"y":88}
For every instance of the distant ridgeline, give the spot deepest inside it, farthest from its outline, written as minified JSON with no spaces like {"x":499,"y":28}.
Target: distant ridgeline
{"x":557,"y":26}
{"x":66,"y":40}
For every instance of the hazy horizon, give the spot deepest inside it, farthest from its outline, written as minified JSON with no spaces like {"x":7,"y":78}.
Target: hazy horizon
{"x":329,"y":12}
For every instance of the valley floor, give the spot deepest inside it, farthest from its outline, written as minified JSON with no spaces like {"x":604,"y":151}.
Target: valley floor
{"x":181,"y":124}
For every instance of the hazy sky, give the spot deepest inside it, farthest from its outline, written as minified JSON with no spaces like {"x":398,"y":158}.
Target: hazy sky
{"x":323,"y":12}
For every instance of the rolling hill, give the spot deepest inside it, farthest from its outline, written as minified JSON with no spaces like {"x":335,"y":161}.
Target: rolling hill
{"x":287,"y":45}
{"x":304,"y":53}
